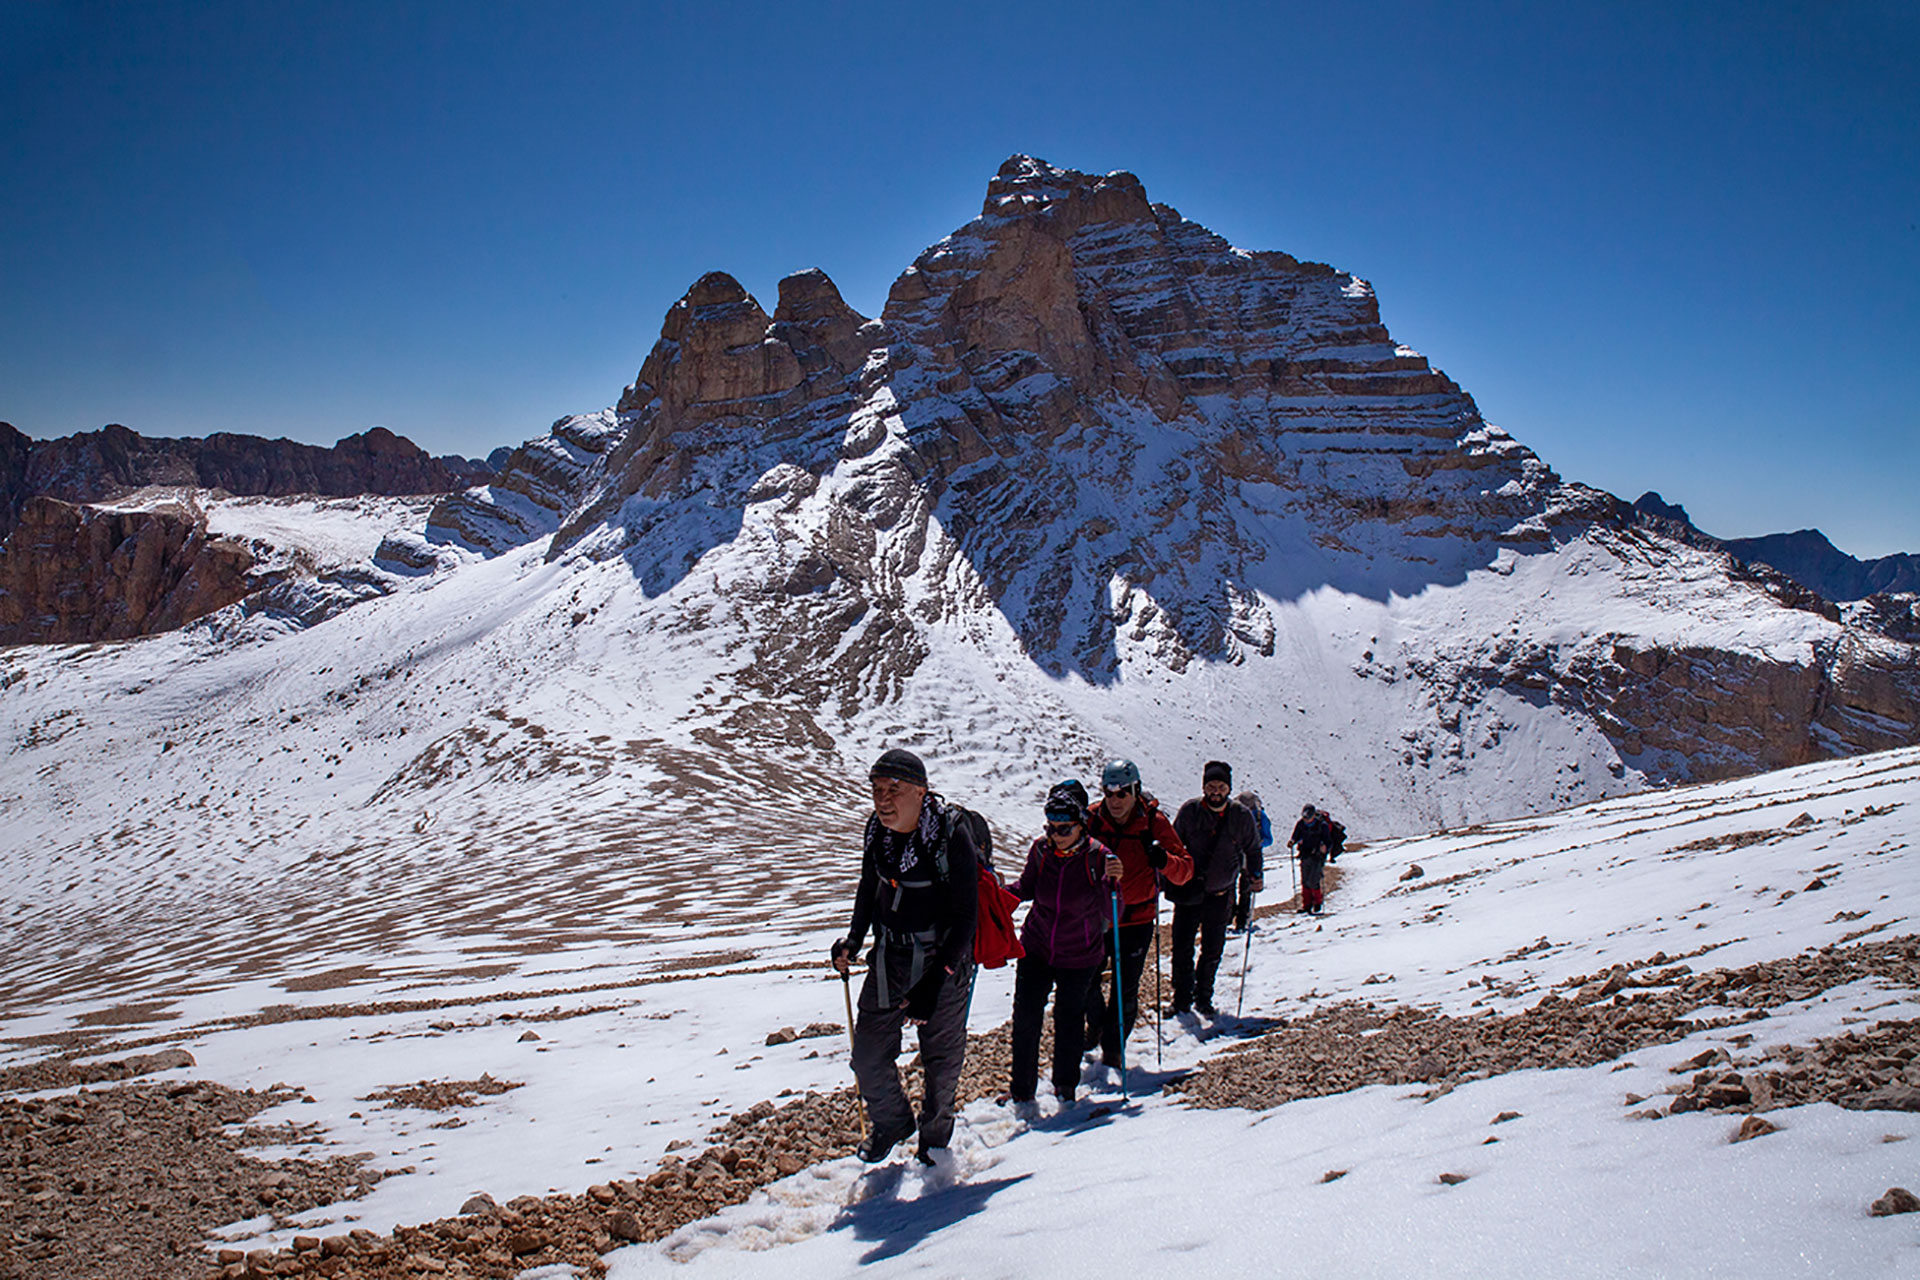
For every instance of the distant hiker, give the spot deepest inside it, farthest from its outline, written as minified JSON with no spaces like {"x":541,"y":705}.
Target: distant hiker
{"x":1224,"y":840}
{"x":1316,"y":838}
{"x":1243,"y":907}
{"x":1128,"y":821}
{"x":918,"y":890}
{"x":1070,"y":880}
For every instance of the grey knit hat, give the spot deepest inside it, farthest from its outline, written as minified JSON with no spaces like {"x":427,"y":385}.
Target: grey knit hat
{"x":901,"y":764}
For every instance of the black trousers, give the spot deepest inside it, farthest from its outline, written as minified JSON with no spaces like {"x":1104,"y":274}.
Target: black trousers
{"x":943,"y":1049}
{"x":1033,"y":980}
{"x":1102,"y":1027}
{"x":1193,"y":984}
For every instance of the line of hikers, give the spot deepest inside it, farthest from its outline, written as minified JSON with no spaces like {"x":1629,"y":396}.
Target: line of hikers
{"x":1093,"y":882}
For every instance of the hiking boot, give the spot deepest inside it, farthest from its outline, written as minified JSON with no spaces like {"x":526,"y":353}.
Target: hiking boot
{"x":1206,"y":1008}
{"x":927,"y":1155}
{"x":1026,"y":1110}
{"x":875,"y":1146}
{"x":1178,"y":1010}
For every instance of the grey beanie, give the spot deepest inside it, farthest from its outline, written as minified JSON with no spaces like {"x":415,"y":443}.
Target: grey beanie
{"x":901,"y":764}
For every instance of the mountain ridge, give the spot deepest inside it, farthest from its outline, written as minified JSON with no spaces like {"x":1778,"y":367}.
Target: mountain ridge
{"x":1807,"y":556}
{"x":1096,"y":482}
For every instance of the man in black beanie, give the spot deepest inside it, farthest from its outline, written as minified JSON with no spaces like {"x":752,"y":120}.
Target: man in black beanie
{"x":1223,"y":838}
{"x":917,"y":890}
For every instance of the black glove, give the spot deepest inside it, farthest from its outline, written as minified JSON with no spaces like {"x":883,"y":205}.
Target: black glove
{"x":926,"y":994}
{"x":1156,"y":856}
{"x":842,"y":950}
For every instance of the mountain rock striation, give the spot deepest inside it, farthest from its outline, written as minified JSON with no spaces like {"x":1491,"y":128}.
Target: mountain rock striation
{"x":1097,"y":482}
{"x":74,"y":567}
{"x":1086,"y":419}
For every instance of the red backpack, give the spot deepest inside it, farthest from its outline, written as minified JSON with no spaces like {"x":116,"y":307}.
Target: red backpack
{"x":994,"y":939}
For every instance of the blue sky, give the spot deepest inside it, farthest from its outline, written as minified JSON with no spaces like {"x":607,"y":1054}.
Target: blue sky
{"x":1670,"y":247}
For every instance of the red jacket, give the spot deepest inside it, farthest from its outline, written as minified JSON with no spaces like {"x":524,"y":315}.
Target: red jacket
{"x":1139,"y":886}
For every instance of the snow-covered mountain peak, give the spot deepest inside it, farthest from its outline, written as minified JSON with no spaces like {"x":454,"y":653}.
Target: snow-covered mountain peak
{"x":1095,"y":483}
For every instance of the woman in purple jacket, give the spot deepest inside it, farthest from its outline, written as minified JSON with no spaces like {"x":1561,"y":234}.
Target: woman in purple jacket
{"x":1070,"y":880}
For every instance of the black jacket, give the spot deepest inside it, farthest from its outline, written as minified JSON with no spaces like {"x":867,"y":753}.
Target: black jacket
{"x":1222,"y":845}
{"x":923,"y":898}
{"x":1312,"y":836}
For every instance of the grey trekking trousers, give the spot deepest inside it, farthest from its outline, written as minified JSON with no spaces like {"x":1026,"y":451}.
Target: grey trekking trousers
{"x":943,"y":1049}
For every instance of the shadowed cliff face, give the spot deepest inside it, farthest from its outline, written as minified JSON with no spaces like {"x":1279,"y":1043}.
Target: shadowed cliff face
{"x":72,"y":574}
{"x":1123,"y":437}
{"x":1089,"y":433}
{"x":1114,"y":415}
{"x":100,"y":464}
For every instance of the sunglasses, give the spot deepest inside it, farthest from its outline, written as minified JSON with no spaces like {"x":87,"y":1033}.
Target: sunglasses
{"x":1062,"y":828}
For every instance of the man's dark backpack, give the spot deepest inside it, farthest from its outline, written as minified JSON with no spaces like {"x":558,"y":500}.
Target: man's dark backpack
{"x":1336,"y":840}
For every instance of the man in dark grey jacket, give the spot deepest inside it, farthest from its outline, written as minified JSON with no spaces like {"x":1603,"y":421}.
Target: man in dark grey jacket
{"x":1223,"y":838}
{"x":917,"y":891}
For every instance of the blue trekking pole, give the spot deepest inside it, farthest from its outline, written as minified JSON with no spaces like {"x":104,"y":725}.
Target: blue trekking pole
{"x":1119,"y":996}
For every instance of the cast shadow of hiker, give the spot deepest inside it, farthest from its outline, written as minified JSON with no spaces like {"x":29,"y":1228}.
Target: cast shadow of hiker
{"x":1239,"y":1027}
{"x":898,"y":1225}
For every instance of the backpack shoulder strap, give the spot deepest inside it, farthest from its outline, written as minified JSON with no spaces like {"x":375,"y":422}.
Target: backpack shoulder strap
{"x":942,"y":868}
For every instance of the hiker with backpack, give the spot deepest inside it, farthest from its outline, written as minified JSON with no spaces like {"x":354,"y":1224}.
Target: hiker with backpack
{"x":1224,"y":842}
{"x":918,"y":891}
{"x":1069,"y":879}
{"x":1129,"y":821}
{"x":1243,"y":907}
{"x":1317,"y":840}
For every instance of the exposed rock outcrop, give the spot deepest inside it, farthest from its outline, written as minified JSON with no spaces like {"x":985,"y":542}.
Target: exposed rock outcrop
{"x":101,"y":464}
{"x":1123,"y":435}
{"x":531,"y":488}
{"x":73,"y":574}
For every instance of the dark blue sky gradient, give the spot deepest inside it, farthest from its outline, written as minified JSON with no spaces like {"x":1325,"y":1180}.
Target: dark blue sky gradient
{"x":1670,"y":247}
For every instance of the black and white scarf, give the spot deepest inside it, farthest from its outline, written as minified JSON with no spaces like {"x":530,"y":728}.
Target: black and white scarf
{"x":919,"y":845}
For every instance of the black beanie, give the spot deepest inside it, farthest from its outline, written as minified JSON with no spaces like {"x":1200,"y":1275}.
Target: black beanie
{"x":1067,"y":802}
{"x":1217,"y":771}
{"x":900,"y":764}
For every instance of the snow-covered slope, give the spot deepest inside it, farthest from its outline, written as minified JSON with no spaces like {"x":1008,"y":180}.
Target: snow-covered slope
{"x":655,"y":984}
{"x":1097,"y":484}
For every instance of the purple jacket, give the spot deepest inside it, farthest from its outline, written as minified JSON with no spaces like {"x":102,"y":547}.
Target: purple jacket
{"x":1072,"y":909}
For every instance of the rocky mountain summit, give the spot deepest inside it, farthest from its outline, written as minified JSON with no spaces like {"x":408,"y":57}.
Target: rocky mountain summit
{"x":1090,"y":421}
{"x":1094,"y":468}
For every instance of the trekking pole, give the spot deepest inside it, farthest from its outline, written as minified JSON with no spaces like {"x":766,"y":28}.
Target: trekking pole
{"x":1159,"y":1027}
{"x":1245,"y":954}
{"x":1119,"y":995}
{"x":1293,"y":869}
{"x":846,"y":989}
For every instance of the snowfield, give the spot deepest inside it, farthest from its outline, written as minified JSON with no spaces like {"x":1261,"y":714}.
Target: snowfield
{"x":654,"y":989}
{"x":555,"y":787}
